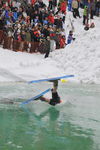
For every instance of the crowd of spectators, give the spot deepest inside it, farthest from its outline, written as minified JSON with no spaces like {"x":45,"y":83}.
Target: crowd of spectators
{"x":33,"y":21}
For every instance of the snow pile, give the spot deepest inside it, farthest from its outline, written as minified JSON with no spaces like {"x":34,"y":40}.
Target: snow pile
{"x":82,"y":57}
{"x":17,"y":66}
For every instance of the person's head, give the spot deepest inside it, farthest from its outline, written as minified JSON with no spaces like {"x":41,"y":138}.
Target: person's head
{"x":63,"y":36}
{"x":48,"y":37}
{"x":71,"y":32}
{"x":37,"y":17}
{"x":86,"y":7}
{"x":9,"y":25}
{"x":51,"y":14}
{"x":23,"y":32}
{"x":46,"y":18}
{"x":20,"y":9}
{"x":36,"y":12}
{"x":7,"y":8}
{"x":18,"y":32}
{"x":16,"y":9}
{"x":45,"y":26}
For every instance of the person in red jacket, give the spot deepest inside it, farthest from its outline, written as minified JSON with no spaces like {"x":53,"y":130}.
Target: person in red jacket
{"x":33,"y":2}
{"x":63,"y":6}
{"x":51,"y":19}
{"x":62,"y":41}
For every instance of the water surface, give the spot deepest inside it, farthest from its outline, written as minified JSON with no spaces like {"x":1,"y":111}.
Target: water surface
{"x":73,"y":125}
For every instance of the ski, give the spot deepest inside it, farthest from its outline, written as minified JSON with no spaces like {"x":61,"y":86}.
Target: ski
{"x":51,"y":79}
{"x":35,"y":97}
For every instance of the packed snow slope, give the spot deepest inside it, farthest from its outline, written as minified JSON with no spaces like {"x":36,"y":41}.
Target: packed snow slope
{"x":81,"y":58}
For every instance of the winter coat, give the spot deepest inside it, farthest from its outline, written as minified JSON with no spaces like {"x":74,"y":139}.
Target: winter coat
{"x":45,"y":22}
{"x":55,"y":3}
{"x":41,"y":4}
{"x":45,"y":32}
{"x":19,"y":37}
{"x":47,"y":45}
{"x":85,"y":12}
{"x":63,"y":6}
{"x":35,"y":36}
{"x":70,"y":1}
{"x":23,"y":37}
{"x":62,"y":42}
{"x":58,"y":23}
{"x":51,"y":19}
{"x":33,"y":2}
{"x":15,"y":16}
{"x":28,"y":36}
{"x":98,"y":4}
{"x":47,"y":48}
{"x":70,"y":38}
{"x":36,"y":21}
{"x":1,"y":24}
{"x":9,"y":32}
{"x":6,"y":14}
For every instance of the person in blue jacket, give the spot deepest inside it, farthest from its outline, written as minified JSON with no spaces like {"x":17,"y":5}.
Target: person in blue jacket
{"x":15,"y":14}
{"x":69,"y":5}
{"x":70,"y":37}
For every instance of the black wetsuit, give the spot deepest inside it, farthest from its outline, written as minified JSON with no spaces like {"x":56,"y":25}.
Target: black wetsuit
{"x":55,"y":99}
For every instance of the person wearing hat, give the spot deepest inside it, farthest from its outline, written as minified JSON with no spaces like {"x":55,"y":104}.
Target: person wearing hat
{"x":70,"y":37}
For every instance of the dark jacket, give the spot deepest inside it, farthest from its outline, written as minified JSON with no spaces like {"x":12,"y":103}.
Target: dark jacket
{"x":47,"y":48}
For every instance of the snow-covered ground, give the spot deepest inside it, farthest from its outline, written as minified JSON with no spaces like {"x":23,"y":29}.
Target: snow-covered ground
{"x":81,"y":58}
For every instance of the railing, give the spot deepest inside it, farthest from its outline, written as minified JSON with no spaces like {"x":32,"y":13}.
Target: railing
{"x":23,"y":46}
{"x":15,"y":45}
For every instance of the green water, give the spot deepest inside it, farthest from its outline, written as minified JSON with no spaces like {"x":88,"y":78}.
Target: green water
{"x":73,"y":125}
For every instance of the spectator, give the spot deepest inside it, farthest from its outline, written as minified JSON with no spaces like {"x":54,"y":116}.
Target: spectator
{"x":51,"y":19}
{"x":63,"y":6}
{"x":50,"y":4}
{"x":47,"y":47}
{"x":85,"y":15}
{"x":32,"y":21}
{"x":75,"y":8}
{"x":92,"y":10}
{"x":70,"y":37}
{"x":70,"y":5}
{"x":97,"y":8}
{"x":62,"y":41}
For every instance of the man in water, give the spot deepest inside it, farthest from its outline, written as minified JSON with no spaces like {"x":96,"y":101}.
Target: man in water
{"x":55,"y":97}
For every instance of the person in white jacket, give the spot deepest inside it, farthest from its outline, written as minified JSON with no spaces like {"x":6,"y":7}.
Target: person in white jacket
{"x":75,"y":8}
